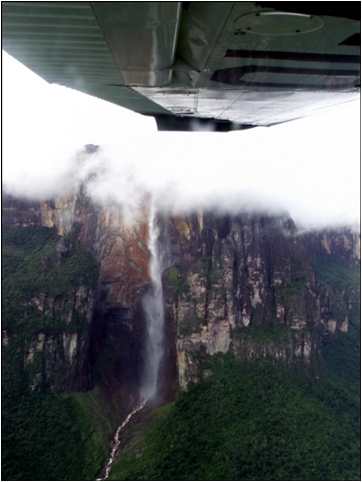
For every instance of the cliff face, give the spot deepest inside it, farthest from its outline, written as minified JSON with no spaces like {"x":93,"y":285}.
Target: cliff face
{"x":117,"y":334}
{"x":49,"y":297}
{"x":109,"y":351}
{"x":246,"y":284}
{"x":252,"y":285}
{"x":74,"y":277}
{"x":72,"y":333}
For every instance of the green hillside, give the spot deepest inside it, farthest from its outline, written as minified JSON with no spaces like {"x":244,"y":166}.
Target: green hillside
{"x":250,"y":422}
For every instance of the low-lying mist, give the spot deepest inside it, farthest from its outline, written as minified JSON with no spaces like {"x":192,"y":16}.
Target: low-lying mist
{"x":186,"y":171}
{"x":309,"y":167}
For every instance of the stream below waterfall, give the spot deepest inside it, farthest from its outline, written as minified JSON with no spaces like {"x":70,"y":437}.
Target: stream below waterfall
{"x":117,"y":440}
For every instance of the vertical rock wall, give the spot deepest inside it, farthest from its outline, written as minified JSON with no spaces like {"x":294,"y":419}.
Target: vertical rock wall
{"x":118,"y":327}
{"x":49,"y":291}
{"x":247,"y":284}
{"x":254,"y":286}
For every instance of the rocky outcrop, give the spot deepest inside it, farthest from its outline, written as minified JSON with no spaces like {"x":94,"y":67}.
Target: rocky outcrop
{"x":20,"y":212}
{"x":252,"y":285}
{"x":111,"y":350}
{"x":47,"y":312}
{"x":58,"y":360}
{"x":120,"y":248}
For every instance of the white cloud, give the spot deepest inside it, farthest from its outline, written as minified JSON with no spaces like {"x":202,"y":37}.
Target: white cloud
{"x":45,"y":124}
{"x":309,"y":167}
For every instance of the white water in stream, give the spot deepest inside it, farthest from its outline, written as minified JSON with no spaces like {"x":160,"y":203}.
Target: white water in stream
{"x":116,"y":440}
{"x":154,"y":313}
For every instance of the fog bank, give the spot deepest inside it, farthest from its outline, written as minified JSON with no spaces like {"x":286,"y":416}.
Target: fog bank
{"x":309,"y":167}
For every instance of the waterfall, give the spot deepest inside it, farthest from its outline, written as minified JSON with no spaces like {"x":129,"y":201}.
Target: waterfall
{"x":154,"y":313}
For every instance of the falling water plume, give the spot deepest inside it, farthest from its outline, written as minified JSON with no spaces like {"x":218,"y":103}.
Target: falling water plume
{"x":154,"y":312}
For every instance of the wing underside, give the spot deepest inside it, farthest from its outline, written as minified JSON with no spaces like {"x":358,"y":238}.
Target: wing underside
{"x":237,"y":64}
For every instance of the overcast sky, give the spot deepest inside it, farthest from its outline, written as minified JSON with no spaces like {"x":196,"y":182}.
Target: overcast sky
{"x":308,"y":167}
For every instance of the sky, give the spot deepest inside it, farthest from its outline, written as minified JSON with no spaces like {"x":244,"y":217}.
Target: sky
{"x":308,"y":167}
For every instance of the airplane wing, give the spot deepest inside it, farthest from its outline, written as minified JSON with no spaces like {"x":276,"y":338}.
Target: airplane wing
{"x":220,"y":65}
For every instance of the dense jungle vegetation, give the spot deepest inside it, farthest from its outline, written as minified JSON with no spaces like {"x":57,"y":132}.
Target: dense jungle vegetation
{"x":45,"y":436}
{"x":251,"y":421}
{"x":248,"y":421}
